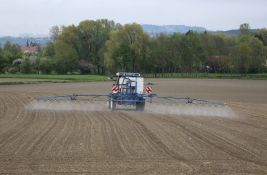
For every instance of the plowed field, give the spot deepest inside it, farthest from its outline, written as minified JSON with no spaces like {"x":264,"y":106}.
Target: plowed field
{"x":127,"y":142}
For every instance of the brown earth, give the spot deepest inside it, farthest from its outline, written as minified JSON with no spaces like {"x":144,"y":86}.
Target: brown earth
{"x":84,"y":142}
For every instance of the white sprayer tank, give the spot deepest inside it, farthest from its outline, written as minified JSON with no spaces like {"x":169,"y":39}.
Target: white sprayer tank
{"x":136,"y":81}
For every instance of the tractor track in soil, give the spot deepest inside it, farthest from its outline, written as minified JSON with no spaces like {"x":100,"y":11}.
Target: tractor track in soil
{"x":220,"y":143}
{"x":123,"y":142}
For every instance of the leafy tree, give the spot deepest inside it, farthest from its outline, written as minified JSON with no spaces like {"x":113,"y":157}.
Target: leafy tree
{"x":8,"y":54}
{"x":46,"y":65}
{"x":55,"y":32}
{"x":3,"y":61}
{"x":164,"y":54}
{"x":49,"y":50}
{"x":93,"y":36}
{"x":175,"y":53}
{"x":85,"y":44}
{"x":129,"y":42}
{"x":11,"y":52}
{"x":157,"y":62}
{"x":262,"y":36}
{"x":26,"y":66}
{"x":244,"y":29}
{"x":243,"y":59}
{"x":66,"y":57}
{"x":250,"y":55}
{"x":192,"y":51}
{"x":258,"y":55}
{"x":66,"y":50}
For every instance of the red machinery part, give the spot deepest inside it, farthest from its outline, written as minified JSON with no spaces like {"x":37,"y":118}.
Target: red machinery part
{"x":148,"y":90}
{"x":115,"y":89}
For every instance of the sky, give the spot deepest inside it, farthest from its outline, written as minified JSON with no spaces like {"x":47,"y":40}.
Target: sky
{"x":38,"y":16}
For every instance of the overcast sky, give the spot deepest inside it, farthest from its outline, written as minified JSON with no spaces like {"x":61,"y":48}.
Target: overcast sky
{"x":37,"y":16}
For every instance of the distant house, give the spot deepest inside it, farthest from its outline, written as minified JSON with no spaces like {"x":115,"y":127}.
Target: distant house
{"x":32,"y":48}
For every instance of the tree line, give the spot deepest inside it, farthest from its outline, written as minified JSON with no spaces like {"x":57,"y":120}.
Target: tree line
{"x":105,"y":47}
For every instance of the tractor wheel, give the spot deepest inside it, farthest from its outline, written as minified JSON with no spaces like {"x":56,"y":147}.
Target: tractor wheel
{"x":109,"y":103}
{"x":112,"y":105}
{"x":140,"y":106}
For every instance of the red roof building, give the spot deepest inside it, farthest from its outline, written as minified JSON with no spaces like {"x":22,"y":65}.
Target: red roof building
{"x":30,"y":49}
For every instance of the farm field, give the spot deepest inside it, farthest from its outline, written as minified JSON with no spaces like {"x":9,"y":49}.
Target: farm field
{"x":9,"y":79}
{"x":127,"y":142}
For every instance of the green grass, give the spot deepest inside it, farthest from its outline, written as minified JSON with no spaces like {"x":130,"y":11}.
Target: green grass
{"x":12,"y":79}
{"x":49,"y":78}
{"x":262,"y":76}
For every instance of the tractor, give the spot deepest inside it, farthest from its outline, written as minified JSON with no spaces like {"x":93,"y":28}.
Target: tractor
{"x":128,"y":89}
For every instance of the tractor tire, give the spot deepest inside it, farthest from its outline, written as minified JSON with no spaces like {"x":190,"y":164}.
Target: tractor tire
{"x":109,"y":103}
{"x":112,"y":105}
{"x":140,"y":106}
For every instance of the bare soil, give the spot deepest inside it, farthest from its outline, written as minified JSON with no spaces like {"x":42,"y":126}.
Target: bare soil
{"x":126,"y":142}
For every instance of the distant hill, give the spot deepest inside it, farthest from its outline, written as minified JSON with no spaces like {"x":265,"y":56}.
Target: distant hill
{"x":154,"y":30}
{"x":42,"y":41}
{"x":234,"y":32}
{"x":169,"y":29}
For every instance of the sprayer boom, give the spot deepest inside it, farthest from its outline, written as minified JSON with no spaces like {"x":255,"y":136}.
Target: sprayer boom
{"x":128,"y":90}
